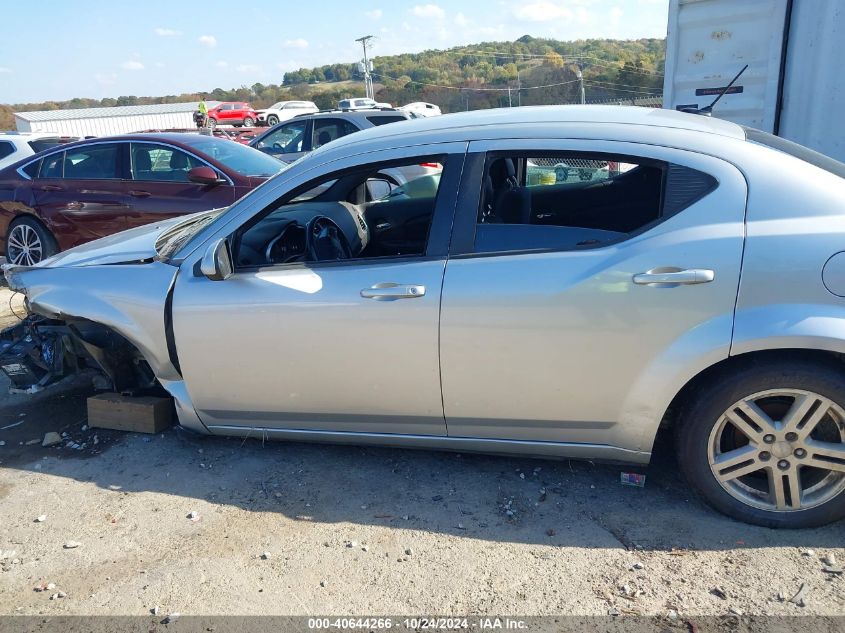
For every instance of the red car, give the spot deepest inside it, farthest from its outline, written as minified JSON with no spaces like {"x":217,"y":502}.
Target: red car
{"x":237,"y":113}
{"x":75,"y":193}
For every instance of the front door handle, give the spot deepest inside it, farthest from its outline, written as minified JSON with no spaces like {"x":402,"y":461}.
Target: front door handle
{"x":674,"y":277}
{"x":137,"y":193}
{"x":51,"y":188}
{"x":389,"y":291}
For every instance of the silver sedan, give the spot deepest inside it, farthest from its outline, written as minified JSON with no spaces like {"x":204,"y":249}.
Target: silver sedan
{"x":694,"y":283}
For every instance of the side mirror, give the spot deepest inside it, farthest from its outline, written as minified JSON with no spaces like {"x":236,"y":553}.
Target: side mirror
{"x":216,"y":264}
{"x":203,"y":175}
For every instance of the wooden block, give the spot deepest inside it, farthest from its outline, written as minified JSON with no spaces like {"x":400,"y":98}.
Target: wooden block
{"x":144,"y":414}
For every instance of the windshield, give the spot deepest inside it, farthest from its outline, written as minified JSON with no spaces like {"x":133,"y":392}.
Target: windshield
{"x":240,"y":158}
{"x":177,"y":236}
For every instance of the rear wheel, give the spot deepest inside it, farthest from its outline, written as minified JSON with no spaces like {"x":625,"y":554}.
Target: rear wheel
{"x":249,"y":121}
{"x":766,"y":444}
{"x":29,"y":242}
{"x":272,"y":120}
{"x":212,"y":122}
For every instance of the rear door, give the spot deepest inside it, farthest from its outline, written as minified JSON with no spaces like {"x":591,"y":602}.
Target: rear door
{"x":328,"y":129}
{"x":568,"y":308}
{"x":160,"y":189}
{"x":82,"y":192}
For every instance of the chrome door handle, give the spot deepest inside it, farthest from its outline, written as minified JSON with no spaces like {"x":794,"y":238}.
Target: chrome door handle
{"x":666,"y":277}
{"x":389,"y":291}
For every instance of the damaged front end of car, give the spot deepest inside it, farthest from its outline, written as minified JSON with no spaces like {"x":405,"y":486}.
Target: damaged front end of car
{"x":39,"y":352}
{"x":105,"y":320}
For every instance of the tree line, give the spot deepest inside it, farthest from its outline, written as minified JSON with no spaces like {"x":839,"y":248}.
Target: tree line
{"x":527,"y":71}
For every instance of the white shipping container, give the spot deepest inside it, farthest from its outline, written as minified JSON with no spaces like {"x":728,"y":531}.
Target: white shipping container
{"x":795,"y":82}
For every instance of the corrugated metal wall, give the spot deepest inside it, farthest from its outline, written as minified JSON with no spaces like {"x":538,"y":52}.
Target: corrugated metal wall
{"x":814,"y":87}
{"x":108,"y":126}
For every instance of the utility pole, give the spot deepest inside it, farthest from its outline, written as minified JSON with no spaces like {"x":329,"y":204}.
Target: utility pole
{"x":368,"y":80}
{"x":580,"y":76}
{"x":518,"y":88}
{"x":510,"y":103}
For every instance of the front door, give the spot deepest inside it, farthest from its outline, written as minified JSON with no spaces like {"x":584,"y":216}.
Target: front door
{"x":160,"y":189}
{"x":286,"y":142}
{"x":584,"y":276}
{"x":304,"y":338}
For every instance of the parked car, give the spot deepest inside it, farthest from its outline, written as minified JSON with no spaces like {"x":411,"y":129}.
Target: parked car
{"x":293,"y":139}
{"x":237,"y":113}
{"x":361,"y":104}
{"x":284,"y":110}
{"x":86,"y":190}
{"x":15,"y":146}
{"x":700,"y":291}
{"x":422,"y":108}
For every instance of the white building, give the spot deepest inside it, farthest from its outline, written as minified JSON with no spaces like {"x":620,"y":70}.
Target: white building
{"x":110,"y":121}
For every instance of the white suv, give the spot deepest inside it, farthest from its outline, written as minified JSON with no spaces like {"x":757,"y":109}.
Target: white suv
{"x":284,"y":110}
{"x":361,"y":104}
{"x":17,"y":145}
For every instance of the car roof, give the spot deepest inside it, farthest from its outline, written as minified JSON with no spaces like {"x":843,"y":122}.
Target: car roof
{"x":355,"y":114}
{"x":457,"y":126}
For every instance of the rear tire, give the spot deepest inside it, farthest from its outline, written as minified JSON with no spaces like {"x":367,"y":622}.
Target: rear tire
{"x":765,"y":444}
{"x":249,"y":122}
{"x":28,"y":242}
{"x":212,"y":123}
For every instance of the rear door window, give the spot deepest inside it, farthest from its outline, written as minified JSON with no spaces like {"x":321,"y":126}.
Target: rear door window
{"x":93,"y":162}
{"x":53,"y":166}
{"x":328,"y":130}
{"x":570,"y":200}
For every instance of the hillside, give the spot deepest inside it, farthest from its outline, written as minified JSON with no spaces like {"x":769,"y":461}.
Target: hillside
{"x":468,"y":77}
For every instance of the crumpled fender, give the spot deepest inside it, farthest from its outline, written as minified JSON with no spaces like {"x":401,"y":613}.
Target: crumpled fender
{"x":129,"y":299}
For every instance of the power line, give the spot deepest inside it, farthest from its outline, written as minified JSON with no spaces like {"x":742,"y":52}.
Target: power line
{"x":423,"y":83}
{"x":609,"y":87}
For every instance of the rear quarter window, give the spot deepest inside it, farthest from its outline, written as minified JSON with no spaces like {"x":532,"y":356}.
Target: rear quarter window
{"x":385,"y":118}
{"x":6,"y":149}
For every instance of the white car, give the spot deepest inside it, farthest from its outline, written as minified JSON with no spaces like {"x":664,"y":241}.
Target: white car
{"x":17,"y":145}
{"x":422,"y":108}
{"x":284,"y":110}
{"x":361,"y":104}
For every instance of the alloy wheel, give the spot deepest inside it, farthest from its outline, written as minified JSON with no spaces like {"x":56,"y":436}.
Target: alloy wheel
{"x":24,"y":246}
{"x":781,"y":450}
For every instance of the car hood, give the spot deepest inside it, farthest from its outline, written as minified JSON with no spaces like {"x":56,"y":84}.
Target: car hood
{"x":127,"y":247}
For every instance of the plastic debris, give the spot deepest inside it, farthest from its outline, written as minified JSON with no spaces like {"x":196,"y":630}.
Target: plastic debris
{"x":632,"y":479}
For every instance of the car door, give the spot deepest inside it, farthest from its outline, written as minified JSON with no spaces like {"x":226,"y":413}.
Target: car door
{"x":344,"y":346}
{"x":287,"y":142}
{"x":82,"y":192}
{"x":560,"y":332}
{"x":160,"y":189}
{"x":327,"y":130}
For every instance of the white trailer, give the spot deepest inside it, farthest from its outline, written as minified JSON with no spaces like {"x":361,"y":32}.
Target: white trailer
{"x":795,"y":82}
{"x":110,"y":121}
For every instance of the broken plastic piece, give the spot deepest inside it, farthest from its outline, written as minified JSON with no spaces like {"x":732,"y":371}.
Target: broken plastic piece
{"x":632,"y":479}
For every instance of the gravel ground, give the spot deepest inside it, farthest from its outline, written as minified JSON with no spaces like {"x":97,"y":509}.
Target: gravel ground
{"x":283,"y":528}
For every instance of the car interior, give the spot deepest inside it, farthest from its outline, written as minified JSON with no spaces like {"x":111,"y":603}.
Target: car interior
{"x":564,"y":213}
{"x":357,"y":216}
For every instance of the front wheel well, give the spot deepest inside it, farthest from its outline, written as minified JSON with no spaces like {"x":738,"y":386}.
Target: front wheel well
{"x":730,"y":365}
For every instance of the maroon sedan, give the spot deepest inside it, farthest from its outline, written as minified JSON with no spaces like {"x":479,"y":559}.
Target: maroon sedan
{"x":82,"y":191}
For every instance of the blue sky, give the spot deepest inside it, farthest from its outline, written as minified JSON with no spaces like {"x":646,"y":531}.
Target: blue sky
{"x":92,"y":48}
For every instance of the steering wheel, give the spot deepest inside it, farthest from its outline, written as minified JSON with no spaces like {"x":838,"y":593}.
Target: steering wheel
{"x":325,"y":241}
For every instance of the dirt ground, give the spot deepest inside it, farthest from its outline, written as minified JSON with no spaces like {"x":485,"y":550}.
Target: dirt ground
{"x":283,"y":528}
